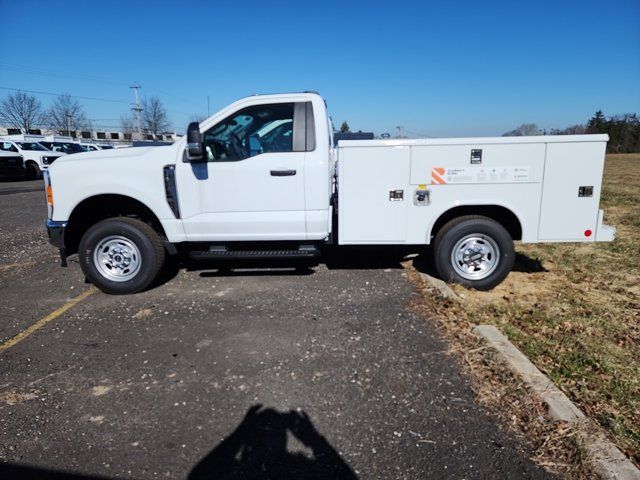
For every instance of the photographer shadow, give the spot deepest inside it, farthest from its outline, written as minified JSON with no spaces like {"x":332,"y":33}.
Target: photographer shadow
{"x":257,"y":449}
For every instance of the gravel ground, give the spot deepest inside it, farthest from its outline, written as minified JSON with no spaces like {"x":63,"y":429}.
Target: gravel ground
{"x":254,"y":373}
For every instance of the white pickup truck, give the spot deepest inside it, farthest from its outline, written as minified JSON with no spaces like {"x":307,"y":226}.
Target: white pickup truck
{"x":261,"y":178}
{"x":37,"y":157}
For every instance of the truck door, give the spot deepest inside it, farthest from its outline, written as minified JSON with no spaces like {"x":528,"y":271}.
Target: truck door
{"x":571,"y":191}
{"x":252,"y":186}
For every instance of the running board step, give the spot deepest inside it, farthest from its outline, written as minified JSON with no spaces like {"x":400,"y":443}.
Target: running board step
{"x":224,"y":253}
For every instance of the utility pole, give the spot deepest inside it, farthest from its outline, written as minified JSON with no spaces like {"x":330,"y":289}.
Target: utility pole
{"x":69,"y":124}
{"x":136,"y":107}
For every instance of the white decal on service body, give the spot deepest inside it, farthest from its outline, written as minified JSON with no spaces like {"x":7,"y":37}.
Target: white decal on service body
{"x":443,"y":176}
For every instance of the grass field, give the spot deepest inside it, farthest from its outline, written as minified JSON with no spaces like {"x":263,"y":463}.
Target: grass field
{"x":575,"y":310}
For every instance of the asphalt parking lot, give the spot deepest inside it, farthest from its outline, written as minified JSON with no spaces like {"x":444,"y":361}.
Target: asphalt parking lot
{"x":229,"y":373}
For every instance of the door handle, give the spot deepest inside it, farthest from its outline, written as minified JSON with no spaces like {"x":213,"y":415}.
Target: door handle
{"x":282,"y":173}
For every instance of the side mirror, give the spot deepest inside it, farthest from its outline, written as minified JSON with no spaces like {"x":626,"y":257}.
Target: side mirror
{"x":194,"y":143}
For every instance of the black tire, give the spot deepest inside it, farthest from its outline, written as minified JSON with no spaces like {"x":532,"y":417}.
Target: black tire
{"x":32,"y":172}
{"x":494,"y":236}
{"x":146,"y":240}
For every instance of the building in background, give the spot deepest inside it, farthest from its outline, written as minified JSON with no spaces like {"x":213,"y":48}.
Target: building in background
{"x":99,"y":136}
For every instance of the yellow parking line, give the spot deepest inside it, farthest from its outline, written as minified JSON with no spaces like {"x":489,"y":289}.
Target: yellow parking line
{"x":43,"y":321}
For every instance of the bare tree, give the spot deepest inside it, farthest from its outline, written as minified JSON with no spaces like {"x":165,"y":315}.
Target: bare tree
{"x":572,"y":130}
{"x":154,"y":116}
{"x":67,"y":112}
{"x":524,"y":130}
{"x":127,"y":124}
{"x":21,"y":110}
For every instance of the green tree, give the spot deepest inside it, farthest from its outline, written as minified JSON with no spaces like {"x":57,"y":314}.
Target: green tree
{"x":597,"y":123}
{"x":344,"y":127}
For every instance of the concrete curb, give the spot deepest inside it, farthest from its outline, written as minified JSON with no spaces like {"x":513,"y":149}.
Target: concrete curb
{"x":607,"y":460}
{"x":439,"y":286}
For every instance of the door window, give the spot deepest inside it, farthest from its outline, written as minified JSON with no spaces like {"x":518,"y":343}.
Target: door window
{"x":251,"y":131}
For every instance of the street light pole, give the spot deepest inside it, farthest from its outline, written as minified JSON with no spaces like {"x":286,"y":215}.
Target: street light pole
{"x":136,"y":106}
{"x":68,"y":124}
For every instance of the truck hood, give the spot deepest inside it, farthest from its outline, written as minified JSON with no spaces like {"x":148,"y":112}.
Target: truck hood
{"x":105,"y":155}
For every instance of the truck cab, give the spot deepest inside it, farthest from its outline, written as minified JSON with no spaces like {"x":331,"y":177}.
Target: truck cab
{"x":264,"y":173}
{"x":261,"y":178}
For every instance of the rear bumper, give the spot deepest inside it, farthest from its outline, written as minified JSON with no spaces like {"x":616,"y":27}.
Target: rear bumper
{"x":604,"y":233}
{"x":55,"y":231}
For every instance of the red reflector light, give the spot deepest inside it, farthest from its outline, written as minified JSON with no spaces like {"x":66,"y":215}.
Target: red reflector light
{"x":587,"y":233}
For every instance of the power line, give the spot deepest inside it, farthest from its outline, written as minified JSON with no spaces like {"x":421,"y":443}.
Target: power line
{"x":60,"y":94}
{"x":30,"y":70}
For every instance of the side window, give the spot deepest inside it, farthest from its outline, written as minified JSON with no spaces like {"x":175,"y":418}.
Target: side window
{"x":251,"y":131}
{"x":8,"y":147}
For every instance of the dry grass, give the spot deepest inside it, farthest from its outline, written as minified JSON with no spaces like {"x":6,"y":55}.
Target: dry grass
{"x":574,"y":309}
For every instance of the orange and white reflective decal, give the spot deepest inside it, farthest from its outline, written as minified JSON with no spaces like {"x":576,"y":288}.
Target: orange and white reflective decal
{"x":437,"y":176}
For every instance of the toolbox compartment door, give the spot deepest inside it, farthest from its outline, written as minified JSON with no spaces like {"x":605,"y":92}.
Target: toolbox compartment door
{"x":371,"y":182}
{"x":571,"y":191}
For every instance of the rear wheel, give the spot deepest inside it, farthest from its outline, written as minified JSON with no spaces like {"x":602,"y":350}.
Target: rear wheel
{"x":121,"y":255}
{"x":474,"y":251}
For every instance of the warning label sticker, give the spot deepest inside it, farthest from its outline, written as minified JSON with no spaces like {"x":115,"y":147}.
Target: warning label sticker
{"x":444,"y":176}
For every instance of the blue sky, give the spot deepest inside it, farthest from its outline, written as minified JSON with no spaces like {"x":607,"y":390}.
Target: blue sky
{"x":435,"y":68}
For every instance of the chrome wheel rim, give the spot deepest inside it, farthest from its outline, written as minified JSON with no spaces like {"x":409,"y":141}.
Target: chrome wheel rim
{"x":475,"y":256}
{"x":117,"y":258}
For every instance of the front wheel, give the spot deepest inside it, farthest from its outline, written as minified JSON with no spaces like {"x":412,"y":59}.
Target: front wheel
{"x":474,"y":251}
{"x":32,"y":172}
{"x":121,"y":255}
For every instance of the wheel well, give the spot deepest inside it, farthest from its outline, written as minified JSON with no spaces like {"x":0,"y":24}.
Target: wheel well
{"x":502,"y":215}
{"x":100,"y":207}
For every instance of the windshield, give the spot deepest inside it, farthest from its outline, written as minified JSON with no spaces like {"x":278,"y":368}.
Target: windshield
{"x":72,"y":148}
{"x":66,"y":147}
{"x":31,"y":146}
